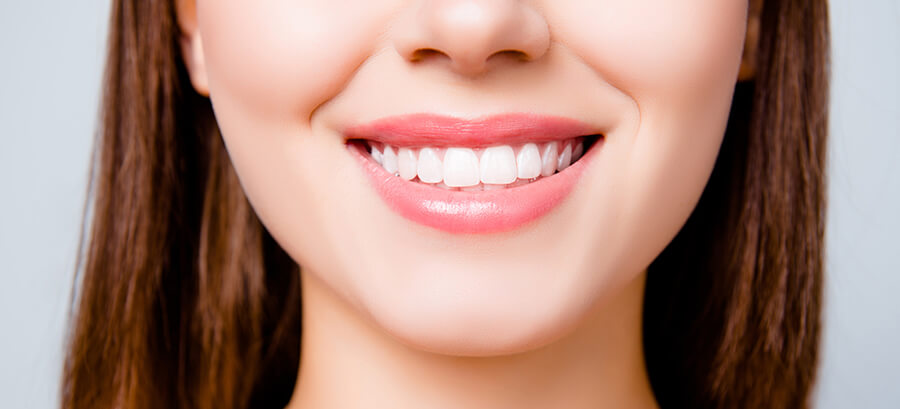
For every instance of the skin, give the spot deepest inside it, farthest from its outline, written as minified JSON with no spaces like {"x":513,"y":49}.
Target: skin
{"x":401,"y":315}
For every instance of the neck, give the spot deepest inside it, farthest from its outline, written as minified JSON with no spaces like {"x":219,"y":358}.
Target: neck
{"x":347,"y":363}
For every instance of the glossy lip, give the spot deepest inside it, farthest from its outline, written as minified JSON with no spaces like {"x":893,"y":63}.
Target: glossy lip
{"x":445,"y":131}
{"x":463,"y":212}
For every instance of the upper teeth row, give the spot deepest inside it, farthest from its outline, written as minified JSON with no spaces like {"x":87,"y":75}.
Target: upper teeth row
{"x":464,"y":167}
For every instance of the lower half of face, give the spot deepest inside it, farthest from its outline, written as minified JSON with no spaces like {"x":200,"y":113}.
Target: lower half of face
{"x":473,"y":176}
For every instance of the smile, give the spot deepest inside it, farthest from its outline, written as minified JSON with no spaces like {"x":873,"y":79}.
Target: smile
{"x":484,"y":176}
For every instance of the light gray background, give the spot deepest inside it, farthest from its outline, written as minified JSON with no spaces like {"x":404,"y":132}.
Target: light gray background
{"x":51,"y":54}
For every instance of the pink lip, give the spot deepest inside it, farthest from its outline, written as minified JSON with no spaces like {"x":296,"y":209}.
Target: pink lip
{"x":443,"y":131}
{"x":470,"y":212}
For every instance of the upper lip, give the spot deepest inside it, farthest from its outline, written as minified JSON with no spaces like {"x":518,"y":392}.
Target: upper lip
{"x":425,"y":129}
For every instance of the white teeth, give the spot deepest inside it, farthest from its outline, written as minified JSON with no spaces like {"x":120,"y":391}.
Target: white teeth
{"x":549,"y":159}
{"x":461,"y":167}
{"x":407,"y":163}
{"x":390,"y":160}
{"x":471,"y":170}
{"x":528,"y":162}
{"x":565,"y":158}
{"x":498,"y":165}
{"x":376,"y":154}
{"x":578,"y":151}
{"x":430,"y":169}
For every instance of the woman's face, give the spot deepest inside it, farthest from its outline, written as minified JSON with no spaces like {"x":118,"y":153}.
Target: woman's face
{"x":475,"y":237}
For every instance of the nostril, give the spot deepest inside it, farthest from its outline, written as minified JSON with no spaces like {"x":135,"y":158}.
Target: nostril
{"x":512,"y":54}
{"x":426,"y":53}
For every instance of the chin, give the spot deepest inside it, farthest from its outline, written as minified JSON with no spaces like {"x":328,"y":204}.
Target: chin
{"x":451,"y":320}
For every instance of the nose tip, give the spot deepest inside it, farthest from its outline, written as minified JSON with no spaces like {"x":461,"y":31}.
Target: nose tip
{"x":470,"y":33}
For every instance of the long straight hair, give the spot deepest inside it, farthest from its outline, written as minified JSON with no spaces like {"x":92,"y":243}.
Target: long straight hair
{"x":185,"y":301}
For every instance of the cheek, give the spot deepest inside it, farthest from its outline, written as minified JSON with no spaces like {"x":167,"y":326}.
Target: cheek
{"x":678,"y":63}
{"x":270,"y":65}
{"x":677,"y":60}
{"x":280,"y":59}
{"x":655,"y":47}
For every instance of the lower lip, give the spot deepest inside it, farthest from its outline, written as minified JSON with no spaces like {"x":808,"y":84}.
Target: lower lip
{"x":461,"y":212}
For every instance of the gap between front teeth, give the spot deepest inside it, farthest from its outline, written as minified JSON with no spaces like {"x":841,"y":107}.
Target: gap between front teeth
{"x":470,"y":169}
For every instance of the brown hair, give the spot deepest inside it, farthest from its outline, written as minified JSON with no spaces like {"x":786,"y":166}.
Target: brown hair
{"x":185,"y":301}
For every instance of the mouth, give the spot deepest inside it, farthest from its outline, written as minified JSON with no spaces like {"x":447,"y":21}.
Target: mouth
{"x":474,"y":177}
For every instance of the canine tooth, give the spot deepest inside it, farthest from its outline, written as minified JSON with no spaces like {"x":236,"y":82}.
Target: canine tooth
{"x":429,"y":167}
{"x":389,"y":160}
{"x":549,"y":159}
{"x":377,"y":155}
{"x":407,"y":163}
{"x":498,"y":165}
{"x":528,"y":162}
{"x":578,"y":151}
{"x":460,"y":167}
{"x":565,"y":158}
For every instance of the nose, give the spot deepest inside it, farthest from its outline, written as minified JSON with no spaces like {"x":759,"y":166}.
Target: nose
{"x":471,"y":33}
